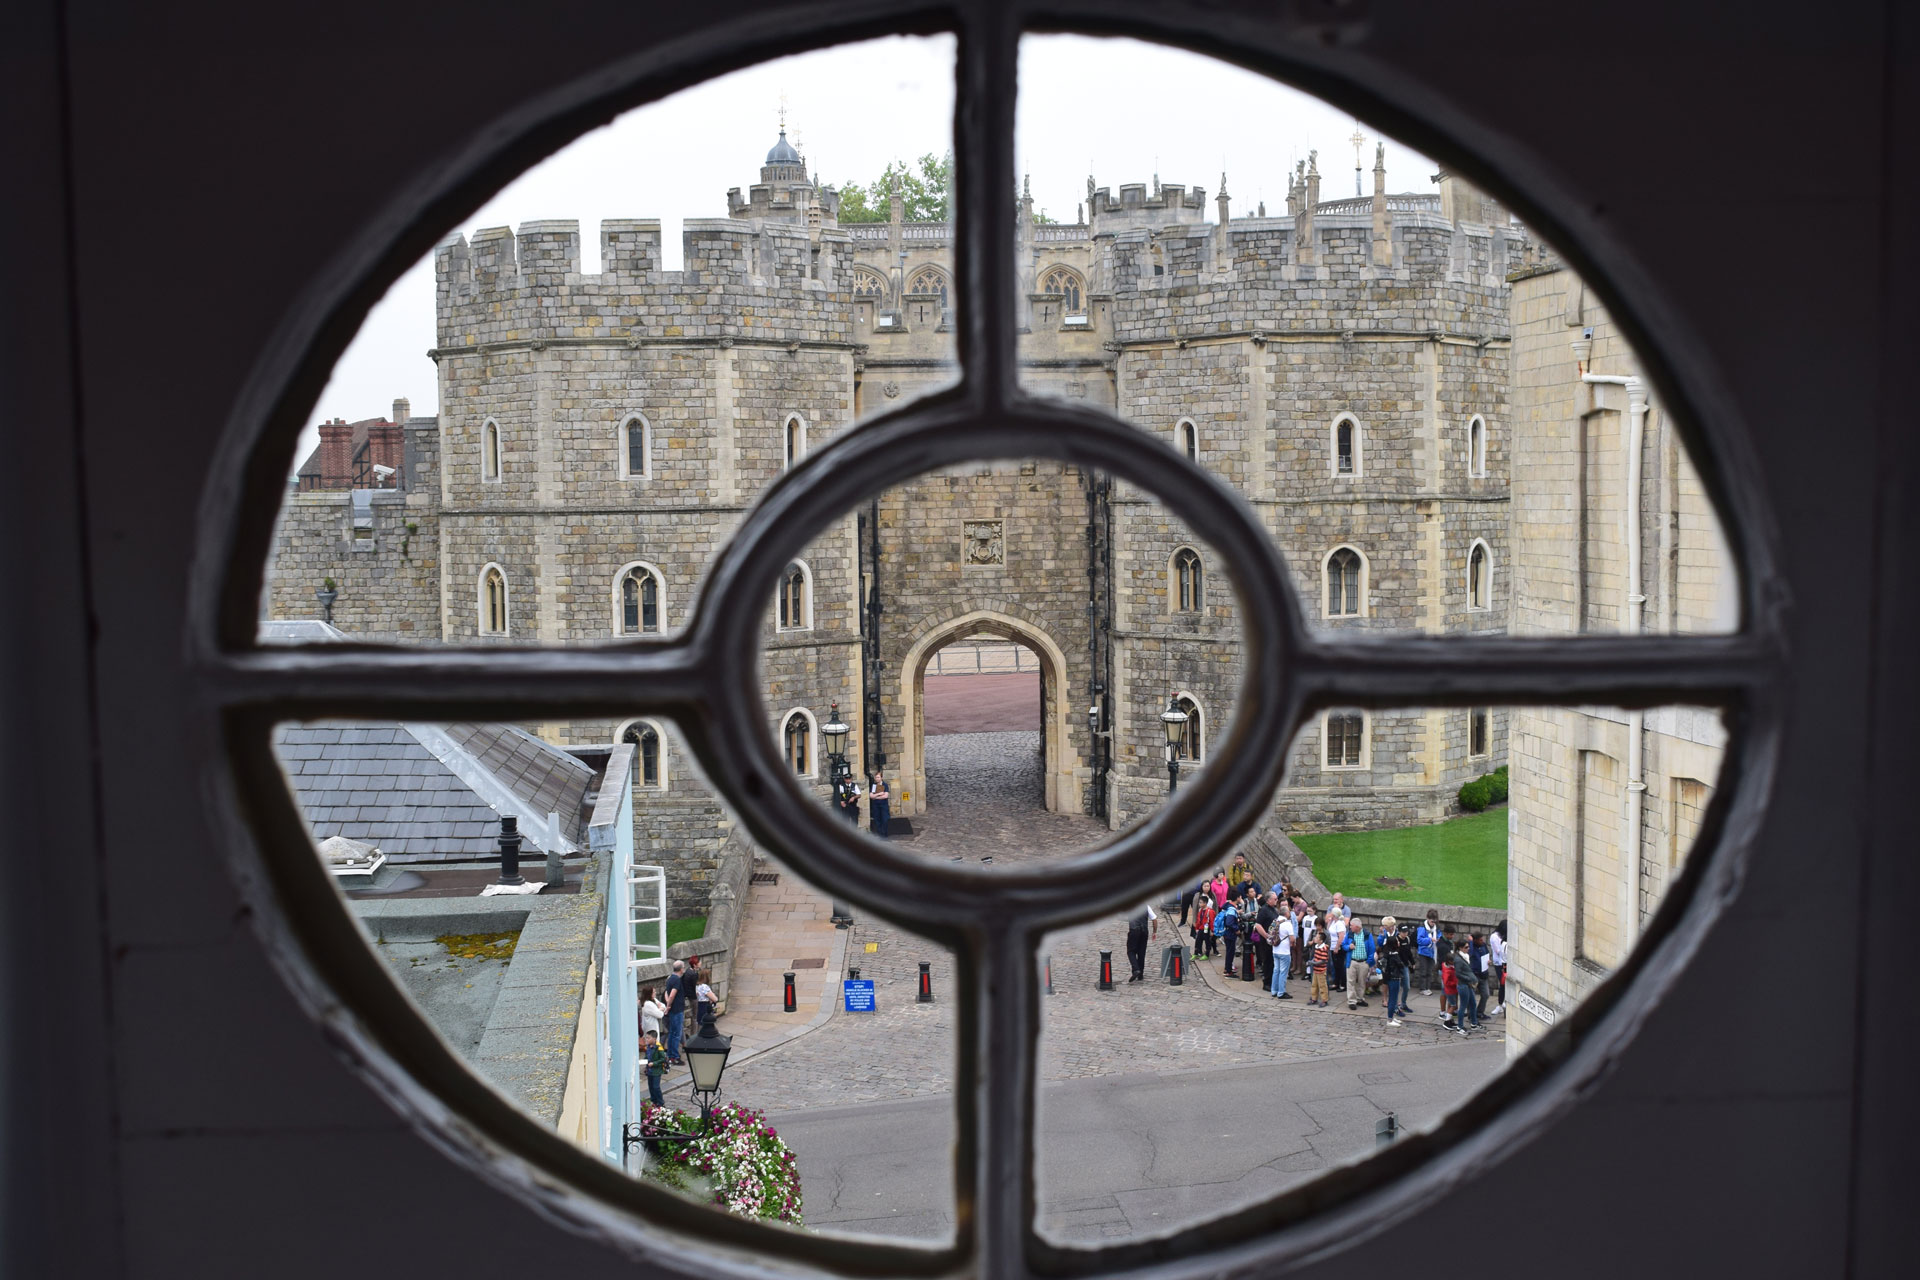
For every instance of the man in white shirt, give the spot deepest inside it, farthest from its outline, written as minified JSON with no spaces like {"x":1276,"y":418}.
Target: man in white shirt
{"x":1497,"y":958}
{"x":1281,"y":931}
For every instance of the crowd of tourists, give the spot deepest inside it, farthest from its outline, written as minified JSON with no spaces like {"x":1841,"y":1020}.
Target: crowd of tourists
{"x":1275,"y":935}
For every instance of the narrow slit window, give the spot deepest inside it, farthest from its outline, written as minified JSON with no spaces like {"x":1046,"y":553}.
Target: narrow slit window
{"x":490,"y":451}
{"x":1479,"y":575}
{"x":493,"y":616}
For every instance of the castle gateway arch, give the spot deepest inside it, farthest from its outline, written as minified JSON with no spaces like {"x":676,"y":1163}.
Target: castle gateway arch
{"x":1064,"y":771}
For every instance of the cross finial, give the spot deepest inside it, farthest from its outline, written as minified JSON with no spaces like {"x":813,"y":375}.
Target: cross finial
{"x":783,"y":112}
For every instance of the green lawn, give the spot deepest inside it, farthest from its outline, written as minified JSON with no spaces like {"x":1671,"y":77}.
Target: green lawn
{"x":1461,"y":863}
{"x":686,"y":929}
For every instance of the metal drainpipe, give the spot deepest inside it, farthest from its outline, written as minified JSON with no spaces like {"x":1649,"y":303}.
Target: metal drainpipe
{"x":1633,"y":620}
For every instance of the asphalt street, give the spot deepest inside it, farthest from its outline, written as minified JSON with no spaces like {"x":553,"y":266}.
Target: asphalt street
{"x":1129,"y":1155}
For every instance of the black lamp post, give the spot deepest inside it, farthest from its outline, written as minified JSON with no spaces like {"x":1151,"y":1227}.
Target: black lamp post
{"x":510,"y":838}
{"x":1174,"y":721}
{"x":835,"y":731}
{"x":706,"y":1055}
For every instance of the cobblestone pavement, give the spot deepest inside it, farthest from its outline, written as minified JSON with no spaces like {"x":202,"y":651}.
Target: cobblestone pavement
{"x":906,"y":1049}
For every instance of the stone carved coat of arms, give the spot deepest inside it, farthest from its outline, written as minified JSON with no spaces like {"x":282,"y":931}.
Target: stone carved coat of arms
{"x":985,"y":543}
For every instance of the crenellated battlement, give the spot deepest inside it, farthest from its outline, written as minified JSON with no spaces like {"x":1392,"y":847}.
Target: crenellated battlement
{"x":774,"y":280}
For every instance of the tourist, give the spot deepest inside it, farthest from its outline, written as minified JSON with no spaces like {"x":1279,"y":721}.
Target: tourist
{"x":1340,"y":905}
{"x":1393,"y":967}
{"x":1466,"y":1010}
{"x":1238,"y":871}
{"x":1425,"y":938}
{"x":879,"y":806}
{"x":1449,"y":989}
{"x":1204,"y":943}
{"x":1283,"y":933}
{"x":1263,"y":931}
{"x":705,"y":1004}
{"x":1226,"y":926}
{"x":1478,"y":953}
{"x":655,"y":1059}
{"x":1317,"y":993}
{"x":1359,"y":963}
{"x":651,"y":1010}
{"x":679,"y":995}
{"x":1139,"y":925}
{"x":1186,"y":902}
{"x":1497,"y":960}
{"x":1336,"y":925}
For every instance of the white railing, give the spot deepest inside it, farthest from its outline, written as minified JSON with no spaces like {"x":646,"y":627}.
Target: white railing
{"x":1058,"y":231}
{"x":982,"y":659}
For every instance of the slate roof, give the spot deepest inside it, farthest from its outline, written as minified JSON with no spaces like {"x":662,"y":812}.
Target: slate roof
{"x":432,"y":793}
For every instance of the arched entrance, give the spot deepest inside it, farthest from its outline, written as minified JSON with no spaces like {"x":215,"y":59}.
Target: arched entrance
{"x":1060,"y":765}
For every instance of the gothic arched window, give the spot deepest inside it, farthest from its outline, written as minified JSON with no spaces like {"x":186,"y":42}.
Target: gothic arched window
{"x":1192,"y":734}
{"x":1479,"y":578}
{"x":1188,"y":588}
{"x":929,"y":280}
{"x":490,"y":451}
{"x":636,"y":448}
{"x":794,"y":440}
{"x":797,"y":741}
{"x":1477,"y":447}
{"x":1187,"y":439}
{"x":1344,"y":598}
{"x":640,"y":595}
{"x":1346,"y":447}
{"x":796,"y":598}
{"x":868,"y":284}
{"x":493,"y":602}
{"x":1067,"y":284}
{"x":647,"y":755}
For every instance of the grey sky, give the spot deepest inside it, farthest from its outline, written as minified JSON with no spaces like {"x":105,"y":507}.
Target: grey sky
{"x":1120,"y":110}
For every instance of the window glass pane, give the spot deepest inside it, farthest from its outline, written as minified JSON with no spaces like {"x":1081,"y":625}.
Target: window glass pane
{"x":1163,"y":1104}
{"x":692,"y":263}
{"x":1027,"y":628}
{"x":1336,"y":344}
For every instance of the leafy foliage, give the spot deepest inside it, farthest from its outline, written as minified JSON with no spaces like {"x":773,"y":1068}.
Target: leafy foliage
{"x":926,"y":190}
{"x":750,"y":1169}
{"x":1488,"y":788}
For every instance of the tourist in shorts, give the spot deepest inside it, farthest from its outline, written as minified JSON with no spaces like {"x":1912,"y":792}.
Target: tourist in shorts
{"x":1317,"y":993}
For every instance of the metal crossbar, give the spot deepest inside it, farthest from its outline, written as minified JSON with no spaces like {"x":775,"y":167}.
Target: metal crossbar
{"x":993,"y":923}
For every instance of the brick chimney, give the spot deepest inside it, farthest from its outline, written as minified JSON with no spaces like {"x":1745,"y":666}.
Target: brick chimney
{"x":336,"y":454}
{"x":402,"y":412}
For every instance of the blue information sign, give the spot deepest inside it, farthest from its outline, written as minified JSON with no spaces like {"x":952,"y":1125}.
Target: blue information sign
{"x":859,"y":993}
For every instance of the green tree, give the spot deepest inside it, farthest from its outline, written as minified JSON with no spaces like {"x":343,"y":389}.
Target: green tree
{"x":926,"y":191}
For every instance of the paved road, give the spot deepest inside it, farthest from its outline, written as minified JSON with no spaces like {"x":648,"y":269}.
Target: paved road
{"x":982,"y":704}
{"x":1132,"y":1154}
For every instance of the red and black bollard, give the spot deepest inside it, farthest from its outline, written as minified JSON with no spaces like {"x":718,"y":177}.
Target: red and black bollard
{"x":1106,"y":971}
{"x":792,"y":1002}
{"x":926,"y":982}
{"x":1048,"y":966}
{"x":1176,"y":975}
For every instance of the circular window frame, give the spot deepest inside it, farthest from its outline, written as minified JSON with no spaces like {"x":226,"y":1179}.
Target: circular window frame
{"x":244,"y":689}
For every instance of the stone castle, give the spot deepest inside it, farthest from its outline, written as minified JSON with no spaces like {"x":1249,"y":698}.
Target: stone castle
{"x":1345,"y":366}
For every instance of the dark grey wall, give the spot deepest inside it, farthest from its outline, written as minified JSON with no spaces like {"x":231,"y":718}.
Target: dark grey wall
{"x":179,"y":177}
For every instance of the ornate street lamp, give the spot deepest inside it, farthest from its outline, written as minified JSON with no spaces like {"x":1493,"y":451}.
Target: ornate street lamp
{"x":835,"y":731}
{"x":706,"y":1055}
{"x":1174,"y":721}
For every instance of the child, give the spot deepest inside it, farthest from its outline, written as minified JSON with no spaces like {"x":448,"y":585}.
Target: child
{"x":1203,"y":939}
{"x":655,"y":1059}
{"x":1449,"y":992}
{"x":1317,"y":993}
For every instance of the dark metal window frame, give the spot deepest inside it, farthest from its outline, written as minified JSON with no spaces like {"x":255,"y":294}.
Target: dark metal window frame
{"x":242,"y":690}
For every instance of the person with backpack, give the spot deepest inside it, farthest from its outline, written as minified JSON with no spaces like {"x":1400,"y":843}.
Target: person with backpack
{"x":1466,"y":1010}
{"x":1497,"y":962}
{"x":1478,"y":953}
{"x":1393,"y":966}
{"x":1226,"y":927}
{"x":1282,"y":931}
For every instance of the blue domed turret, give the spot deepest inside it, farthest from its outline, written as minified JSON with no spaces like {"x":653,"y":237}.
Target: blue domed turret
{"x":783,"y":152}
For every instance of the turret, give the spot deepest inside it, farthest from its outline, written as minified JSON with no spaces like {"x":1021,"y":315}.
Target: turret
{"x":1382,"y":220}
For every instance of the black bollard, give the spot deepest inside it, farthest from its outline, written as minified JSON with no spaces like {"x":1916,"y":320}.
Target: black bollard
{"x":1177,"y":973}
{"x":792,"y":1002}
{"x":1106,"y":971}
{"x":926,"y":982}
{"x":1048,"y":967}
